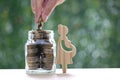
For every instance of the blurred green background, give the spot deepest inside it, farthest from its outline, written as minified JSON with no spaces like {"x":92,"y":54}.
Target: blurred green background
{"x":94,"y":28}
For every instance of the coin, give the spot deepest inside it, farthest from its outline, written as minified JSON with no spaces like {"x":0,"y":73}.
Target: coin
{"x":32,"y":59}
{"x":46,"y":50}
{"x":33,"y":65}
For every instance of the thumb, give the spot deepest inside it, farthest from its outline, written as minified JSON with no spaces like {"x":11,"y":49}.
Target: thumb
{"x":49,"y":7}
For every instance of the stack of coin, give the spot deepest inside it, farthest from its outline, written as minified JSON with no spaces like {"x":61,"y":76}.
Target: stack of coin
{"x":32,"y":57}
{"x":49,"y":58}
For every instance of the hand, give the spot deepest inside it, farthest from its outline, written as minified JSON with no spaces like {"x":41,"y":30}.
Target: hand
{"x":43,"y":8}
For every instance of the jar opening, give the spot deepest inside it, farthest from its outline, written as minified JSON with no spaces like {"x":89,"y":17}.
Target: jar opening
{"x":40,"y":34}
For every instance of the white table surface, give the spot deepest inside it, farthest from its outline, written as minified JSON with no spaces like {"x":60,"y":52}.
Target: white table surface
{"x":72,"y":74}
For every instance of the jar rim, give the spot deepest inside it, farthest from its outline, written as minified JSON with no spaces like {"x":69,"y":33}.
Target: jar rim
{"x":32,"y":33}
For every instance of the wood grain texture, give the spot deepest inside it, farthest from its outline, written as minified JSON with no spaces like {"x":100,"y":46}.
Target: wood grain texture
{"x":64,"y":57}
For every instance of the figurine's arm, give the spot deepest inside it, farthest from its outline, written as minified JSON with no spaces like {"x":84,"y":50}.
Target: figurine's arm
{"x":70,"y":45}
{"x":67,"y":42}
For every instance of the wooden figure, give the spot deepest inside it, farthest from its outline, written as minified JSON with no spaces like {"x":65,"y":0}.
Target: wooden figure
{"x":64,"y":57}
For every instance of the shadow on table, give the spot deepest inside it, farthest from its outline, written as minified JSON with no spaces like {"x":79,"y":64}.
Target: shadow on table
{"x":49,"y":76}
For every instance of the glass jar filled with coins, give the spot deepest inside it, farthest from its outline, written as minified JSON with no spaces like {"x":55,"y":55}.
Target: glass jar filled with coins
{"x":40,"y":52}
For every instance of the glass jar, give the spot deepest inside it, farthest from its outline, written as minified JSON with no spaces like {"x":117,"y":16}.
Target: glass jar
{"x":40,"y":52}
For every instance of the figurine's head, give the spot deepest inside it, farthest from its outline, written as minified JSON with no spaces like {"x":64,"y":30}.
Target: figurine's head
{"x":62,"y":30}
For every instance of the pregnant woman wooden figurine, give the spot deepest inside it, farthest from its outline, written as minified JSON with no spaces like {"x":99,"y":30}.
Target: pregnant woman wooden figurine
{"x":64,"y":57}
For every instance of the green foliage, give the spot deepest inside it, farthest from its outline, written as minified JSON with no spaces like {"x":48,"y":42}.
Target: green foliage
{"x":94,"y":28}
